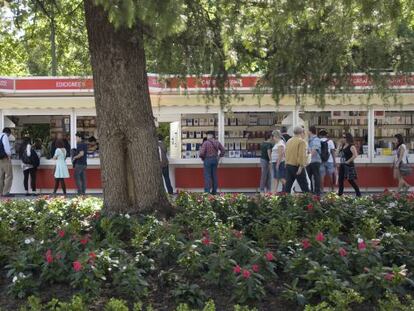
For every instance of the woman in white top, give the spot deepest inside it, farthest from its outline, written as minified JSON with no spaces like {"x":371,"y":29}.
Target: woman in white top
{"x":278,"y":160}
{"x":400,"y":161}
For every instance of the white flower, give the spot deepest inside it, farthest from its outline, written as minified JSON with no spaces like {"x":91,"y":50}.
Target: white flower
{"x":41,"y":242}
{"x":127,"y":216}
{"x":27,"y":241}
{"x":392,"y":205}
{"x":360,"y":240}
{"x":15,"y":278}
{"x":387,"y":235}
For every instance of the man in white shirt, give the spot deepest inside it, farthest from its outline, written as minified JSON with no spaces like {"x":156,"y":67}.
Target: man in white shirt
{"x":6,"y":170}
{"x":328,"y":167}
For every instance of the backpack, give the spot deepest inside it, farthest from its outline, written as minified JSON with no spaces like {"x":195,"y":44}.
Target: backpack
{"x":25,"y":158}
{"x":325,"y":154}
{"x":3,"y":153}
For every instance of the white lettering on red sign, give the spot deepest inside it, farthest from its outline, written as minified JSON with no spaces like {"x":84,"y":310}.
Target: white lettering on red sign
{"x":69,"y":84}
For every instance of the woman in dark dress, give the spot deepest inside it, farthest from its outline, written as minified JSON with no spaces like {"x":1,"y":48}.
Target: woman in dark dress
{"x":348,"y":153}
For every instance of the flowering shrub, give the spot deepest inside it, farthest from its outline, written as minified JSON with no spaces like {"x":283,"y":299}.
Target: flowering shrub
{"x":327,"y":253}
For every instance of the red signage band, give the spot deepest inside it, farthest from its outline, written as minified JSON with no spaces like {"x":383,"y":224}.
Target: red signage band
{"x":156,"y":82}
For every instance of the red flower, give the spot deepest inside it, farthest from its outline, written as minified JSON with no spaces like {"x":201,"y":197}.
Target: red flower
{"x":77,"y":266}
{"x":92,"y":255}
{"x":309,"y":207}
{"x":84,"y":241}
{"x":316,"y":198}
{"x":320,"y":237}
{"x":389,"y":276}
{"x":61,"y":233}
{"x":238,"y":234}
{"x":49,"y":256}
{"x":343,"y":252}
{"x":269,"y":256}
{"x":237,"y":269}
{"x":206,"y":241}
{"x":246,"y":273}
{"x":255,"y":268}
{"x":361,"y":245}
{"x":306,"y":243}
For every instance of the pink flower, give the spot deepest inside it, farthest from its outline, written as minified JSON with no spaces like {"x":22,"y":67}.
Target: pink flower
{"x":255,"y":268}
{"x":77,"y":266}
{"x":92,"y":257}
{"x":361,"y":244}
{"x":206,"y":241}
{"x":237,"y":269}
{"x":238,"y":234}
{"x":309,"y":207}
{"x":306,"y":243}
{"x":49,"y":256}
{"x":389,"y":276}
{"x":269,"y":256}
{"x":343,"y":252}
{"x":61,"y":233}
{"x":246,"y":273}
{"x":320,"y":237}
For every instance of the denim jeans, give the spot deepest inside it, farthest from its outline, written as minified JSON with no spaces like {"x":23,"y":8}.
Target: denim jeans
{"x":265,"y":176}
{"x":80,"y":178}
{"x":210,"y":175}
{"x":314,"y":173}
{"x":166,"y":175}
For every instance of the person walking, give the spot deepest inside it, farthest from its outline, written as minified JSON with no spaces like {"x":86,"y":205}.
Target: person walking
{"x":265,"y":155}
{"x":314,"y":166}
{"x":210,"y":153}
{"x":61,"y":169}
{"x":401,"y":166}
{"x":328,"y":157}
{"x":30,"y":163}
{"x":296,"y":160}
{"x":6,"y":169}
{"x":80,"y":163}
{"x":285,"y":135}
{"x":278,"y":160}
{"x":348,"y":154}
{"x":162,"y":150}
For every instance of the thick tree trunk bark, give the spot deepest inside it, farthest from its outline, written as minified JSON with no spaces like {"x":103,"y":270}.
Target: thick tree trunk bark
{"x":131,"y":172}
{"x":53,"y":46}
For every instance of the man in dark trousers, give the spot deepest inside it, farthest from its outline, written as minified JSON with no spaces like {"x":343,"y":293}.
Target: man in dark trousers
{"x":80,"y":163}
{"x":162,"y":149}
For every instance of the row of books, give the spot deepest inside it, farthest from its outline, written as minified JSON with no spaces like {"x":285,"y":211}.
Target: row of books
{"x":199,"y":122}
{"x":406,"y":119}
{"x":229,"y":154}
{"x":246,"y":134}
{"x":326,"y":120}
{"x":195,"y":134}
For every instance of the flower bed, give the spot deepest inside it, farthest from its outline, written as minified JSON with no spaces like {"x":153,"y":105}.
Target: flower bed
{"x":272,"y":253}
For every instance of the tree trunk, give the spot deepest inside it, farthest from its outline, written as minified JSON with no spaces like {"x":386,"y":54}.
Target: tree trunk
{"x":131,"y":172}
{"x":53,"y":46}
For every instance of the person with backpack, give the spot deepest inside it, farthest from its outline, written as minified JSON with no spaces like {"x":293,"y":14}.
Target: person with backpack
{"x":328,"y":157}
{"x":30,"y":163}
{"x":6,"y":169}
{"x":210,"y":153}
{"x":313,"y":169}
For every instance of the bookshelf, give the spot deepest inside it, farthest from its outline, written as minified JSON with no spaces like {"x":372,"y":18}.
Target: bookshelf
{"x":245,"y":131}
{"x":194,"y":128}
{"x":390,"y":123}
{"x":336,"y":123}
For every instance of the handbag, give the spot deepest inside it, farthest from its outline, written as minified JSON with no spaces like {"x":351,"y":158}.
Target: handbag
{"x":405,"y":168}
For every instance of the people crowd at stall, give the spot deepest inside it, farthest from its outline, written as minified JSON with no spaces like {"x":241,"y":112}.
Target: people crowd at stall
{"x":303,"y":162}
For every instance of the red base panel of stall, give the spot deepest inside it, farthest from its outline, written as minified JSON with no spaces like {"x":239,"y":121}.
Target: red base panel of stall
{"x":45,"y":179}
{"x":249,"y":177}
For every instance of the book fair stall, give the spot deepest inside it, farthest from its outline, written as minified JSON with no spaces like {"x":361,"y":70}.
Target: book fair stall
{"x":47,"y":107}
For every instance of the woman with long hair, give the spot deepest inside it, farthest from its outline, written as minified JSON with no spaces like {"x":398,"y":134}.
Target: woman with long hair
{"x":61,"y":170}
{"x":348,"y":154}
{"x":30,"y":163}
{"x":400,"y":162}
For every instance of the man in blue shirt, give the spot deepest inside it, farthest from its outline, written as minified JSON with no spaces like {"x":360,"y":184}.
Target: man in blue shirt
{"x":80,"y":163}
{"x":313,"y":168}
